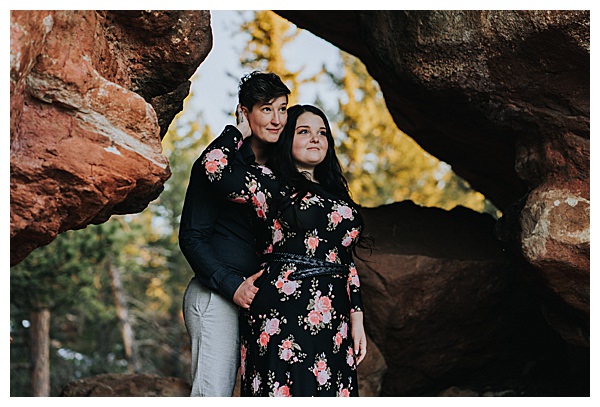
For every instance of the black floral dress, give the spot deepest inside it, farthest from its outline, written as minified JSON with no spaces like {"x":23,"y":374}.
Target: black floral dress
{"x":295,"y":338}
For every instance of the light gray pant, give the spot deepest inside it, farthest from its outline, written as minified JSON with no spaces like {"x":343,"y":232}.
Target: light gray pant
{"x":212,"y":323}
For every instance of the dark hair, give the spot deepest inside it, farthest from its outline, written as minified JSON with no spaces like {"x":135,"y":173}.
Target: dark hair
{"x":260,"y":87}
{"x":328,"y":173}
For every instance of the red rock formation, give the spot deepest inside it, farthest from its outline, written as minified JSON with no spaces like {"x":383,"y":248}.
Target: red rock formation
{"x":435,"y":288}
{"x":555,"y":239}
{"x":127,"y":385}
{"x":477,"y":89}
{"x":504,"y":98}
{"x":91,"y":95}
{"x":371,"y":371}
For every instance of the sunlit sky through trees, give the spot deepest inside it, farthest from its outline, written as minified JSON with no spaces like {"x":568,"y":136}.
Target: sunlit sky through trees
{"x":214,"y":97}
{"x":214,"y":87}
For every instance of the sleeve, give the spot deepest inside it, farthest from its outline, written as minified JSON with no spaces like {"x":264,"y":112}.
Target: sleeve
{"x":244,"y":184}
{"x":195,"y":231}
{"x":353,"y":286}
{"x":218,"y":158}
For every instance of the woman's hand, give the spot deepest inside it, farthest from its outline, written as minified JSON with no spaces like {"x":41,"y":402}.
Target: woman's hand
{"x":359,"y":336}
{"x":244,"y":295}
{"x":243,"y":125}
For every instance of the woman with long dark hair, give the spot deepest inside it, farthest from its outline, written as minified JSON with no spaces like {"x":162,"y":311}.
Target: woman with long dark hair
{"x":303,"y":333}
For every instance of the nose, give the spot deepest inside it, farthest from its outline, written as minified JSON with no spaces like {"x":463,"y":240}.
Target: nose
{"x":276,"y":119}
{"x":314,"y":137}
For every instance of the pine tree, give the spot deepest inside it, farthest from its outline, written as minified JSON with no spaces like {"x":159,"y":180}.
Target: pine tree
{"x":69,"y":286}
{"x":157,"y":272}
{"x":51,"y":281}
{"x":383,"y":164}
{"x":269,"y":34}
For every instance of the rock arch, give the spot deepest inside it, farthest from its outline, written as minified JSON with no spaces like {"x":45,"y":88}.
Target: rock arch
{"x":502,"y":96}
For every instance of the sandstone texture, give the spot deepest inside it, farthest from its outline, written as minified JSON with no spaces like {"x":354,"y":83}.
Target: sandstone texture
{"x":91,"y":95}
{"x":442,"y":297}
{"x":455,"y":300}
{"x":504,"y":98}
{"x":127,"y":385}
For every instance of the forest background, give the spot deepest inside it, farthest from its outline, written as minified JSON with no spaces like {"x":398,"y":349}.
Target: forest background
{"x":107,"y":298}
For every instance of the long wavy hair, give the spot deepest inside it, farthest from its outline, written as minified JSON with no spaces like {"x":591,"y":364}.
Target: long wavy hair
{"x":328,"y":173}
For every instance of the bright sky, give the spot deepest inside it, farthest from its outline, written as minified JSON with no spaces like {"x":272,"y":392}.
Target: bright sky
{"x":214,"y":92}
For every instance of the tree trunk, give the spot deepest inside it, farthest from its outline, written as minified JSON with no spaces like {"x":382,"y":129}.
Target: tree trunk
{"x":123,"y":316}
{"x":40,"y":352}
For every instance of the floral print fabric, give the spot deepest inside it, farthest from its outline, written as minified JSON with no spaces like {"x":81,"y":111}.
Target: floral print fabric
{"x":295,"y":338}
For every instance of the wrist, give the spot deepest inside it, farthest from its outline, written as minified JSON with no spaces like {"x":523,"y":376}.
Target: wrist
{"x":356,"y":316}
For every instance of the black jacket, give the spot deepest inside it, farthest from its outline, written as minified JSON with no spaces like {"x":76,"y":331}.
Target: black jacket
{"x":215,"y":235}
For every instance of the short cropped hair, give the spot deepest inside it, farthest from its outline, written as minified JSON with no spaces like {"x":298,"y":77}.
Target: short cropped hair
{"x":260,"y":87}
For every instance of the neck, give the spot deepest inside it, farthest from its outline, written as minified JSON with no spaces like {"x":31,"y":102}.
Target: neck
{"x":309,"y":173}
{"x":260,"y":150}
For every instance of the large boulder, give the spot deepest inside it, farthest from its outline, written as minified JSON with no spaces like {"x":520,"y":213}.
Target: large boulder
{"x":504,"y":98}
{"x":451,"y":297}
{"x":91,"y":95}
{"x":439,"y":294}
{"x":127,"y":385}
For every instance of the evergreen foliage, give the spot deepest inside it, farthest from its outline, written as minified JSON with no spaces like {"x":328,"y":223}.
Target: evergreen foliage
{"x":70,"y":276}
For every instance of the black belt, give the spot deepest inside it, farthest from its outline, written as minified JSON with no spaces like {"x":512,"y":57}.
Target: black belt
{"x":306,"y":266}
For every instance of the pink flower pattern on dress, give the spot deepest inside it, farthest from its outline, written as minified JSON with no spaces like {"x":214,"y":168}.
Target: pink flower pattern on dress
{"x":312,"y":241}
{"x":214,"y":162}
{"x":290,"y":351}
{"x":277,"y":232}
{"x":256,"y":382}
{"x":339,"y":336}
{"x":258,"y":197}
{"x":280,"y":233}
{"x":243,"y":360}
{"x":265,"y":170}
{"x":343,"y":391}
{"x":321,"y":371}
{"x":281,"y":391}
{"x":333,"y":256}
{"x":353,"y":277}
{"x":324,"y":226}
{"x":269,"y":327}
{"x":350,"y":358}
{"x":289,"y":288}
{"x":277,"y":389}
{"x":310,"y":200}
{"x":320,"y":311}
{"x":350,"y":237}
{"x":339,"y":213}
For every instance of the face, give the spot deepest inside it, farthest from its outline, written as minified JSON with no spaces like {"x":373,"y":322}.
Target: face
{"x":309,"y":147}
{"x":267,"y":120}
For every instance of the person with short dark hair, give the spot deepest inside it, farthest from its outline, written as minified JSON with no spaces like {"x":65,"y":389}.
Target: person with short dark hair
{"x":303,"y":333}
{"x":217,"y":238}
